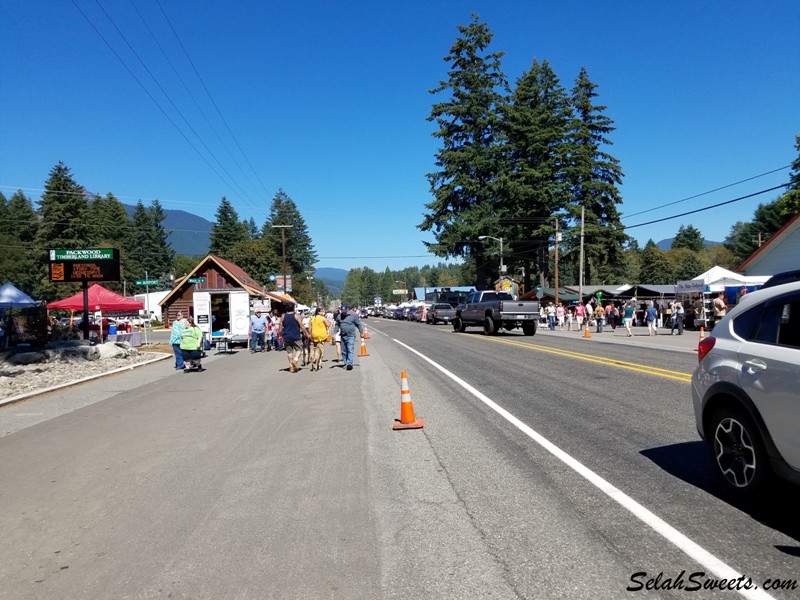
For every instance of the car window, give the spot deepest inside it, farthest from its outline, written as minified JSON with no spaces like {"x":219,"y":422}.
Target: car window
{"x":779,"y":323}
{"x":745,"y":324}
{"x":504,"y":296}
{"x":489,"y":296}
{"x":789,"y":326}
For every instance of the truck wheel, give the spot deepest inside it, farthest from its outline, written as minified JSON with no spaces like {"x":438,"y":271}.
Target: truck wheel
{"x":529,"y":329}
{"x":458,"y":325}
{"x":488,"y":326}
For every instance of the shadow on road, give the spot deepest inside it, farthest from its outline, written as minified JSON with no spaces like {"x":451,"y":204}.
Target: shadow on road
{"x":691,"y":462}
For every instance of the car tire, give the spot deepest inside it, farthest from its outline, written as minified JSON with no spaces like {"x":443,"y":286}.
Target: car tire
{"x":737,"y":452}
{"x":529,"y":328}
{"x":489,"y":326}
{"x":458,"y":325}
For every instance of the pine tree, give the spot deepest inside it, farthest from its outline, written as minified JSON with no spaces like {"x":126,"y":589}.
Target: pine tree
{"x":63,"y":210}
{"x":300,"y":253}
{"x":227,"y":229}
{"x":252,"y":229}
{"x":256,"y":257}
{"x":593,"y":176}
{"x":657,"y":268}
{"x":464,"y":186}
{"x":109,"y":220}
{"x":63,"y":223}
{"x":689,"y":237}
{"x":536,"y":121}
{"x":150,"y":253}
{"x":794,"y":181}
{"x":21,"y":220}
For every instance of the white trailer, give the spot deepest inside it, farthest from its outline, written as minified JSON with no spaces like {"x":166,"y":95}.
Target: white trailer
{"x":229,"y":309}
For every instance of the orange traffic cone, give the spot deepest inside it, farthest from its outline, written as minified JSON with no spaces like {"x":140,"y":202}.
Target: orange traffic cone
{"x":363,"y":348}
{"x":366,"y":333}
{"x":702,"y":333}
{"x":586,"y":333}
{"x":407,"y":419}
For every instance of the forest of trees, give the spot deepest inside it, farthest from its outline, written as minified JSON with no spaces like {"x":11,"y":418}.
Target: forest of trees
{"x":514,"y":160}
{"x":67,"y":216}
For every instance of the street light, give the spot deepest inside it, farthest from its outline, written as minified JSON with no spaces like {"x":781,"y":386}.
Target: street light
{"x":491,"y":237}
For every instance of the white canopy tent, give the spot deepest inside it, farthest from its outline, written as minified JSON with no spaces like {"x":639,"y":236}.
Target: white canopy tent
{"x":716,"y":279}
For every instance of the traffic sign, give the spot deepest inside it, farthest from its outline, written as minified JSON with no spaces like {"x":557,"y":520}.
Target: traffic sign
{"x":197,"y":280}
{"x":147,"y":282}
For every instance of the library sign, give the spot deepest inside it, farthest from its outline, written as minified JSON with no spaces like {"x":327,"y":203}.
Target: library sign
{"x":86,"y":264}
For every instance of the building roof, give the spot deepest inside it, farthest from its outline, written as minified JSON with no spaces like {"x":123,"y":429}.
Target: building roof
{"x":234,"y":271}
{"x":778,"y":254}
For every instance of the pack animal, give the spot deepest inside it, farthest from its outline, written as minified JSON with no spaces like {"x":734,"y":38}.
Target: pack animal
{"x":317,"y":352}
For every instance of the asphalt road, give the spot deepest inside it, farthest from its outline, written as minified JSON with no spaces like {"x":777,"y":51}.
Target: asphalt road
{"x":246,"y":481}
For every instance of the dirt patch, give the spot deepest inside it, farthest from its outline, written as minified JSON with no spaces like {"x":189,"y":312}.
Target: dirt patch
{"x":156,"y":348}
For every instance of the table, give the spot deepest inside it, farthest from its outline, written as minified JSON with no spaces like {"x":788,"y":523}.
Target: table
{"x":222,"y":343}
{"x":134,"y":338}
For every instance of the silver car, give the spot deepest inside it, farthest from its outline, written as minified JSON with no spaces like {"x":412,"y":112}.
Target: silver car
{"x":746,"y":389}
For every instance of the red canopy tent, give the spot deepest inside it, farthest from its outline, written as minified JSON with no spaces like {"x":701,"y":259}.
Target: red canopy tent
{"x":99,"y":299}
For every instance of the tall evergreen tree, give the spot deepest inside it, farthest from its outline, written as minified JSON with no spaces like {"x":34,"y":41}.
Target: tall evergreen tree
{"x":252,"y":229}
{"x":536,"y":122}
{"x":257,"y":258}
{"x":63,"y":223}
{"x":149,"y":250}
{"x":109,"y":220}
{"x":227,"y":229}
{"x":20,"y":220}
{"x":464,"y":185}
{"x":689,"y":236}
{"x":593,"y":176}
{"x":63,"y":210}
{"x":300,"y":253}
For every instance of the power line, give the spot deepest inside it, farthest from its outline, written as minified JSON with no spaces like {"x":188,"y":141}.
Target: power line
{"x":691,"y":212}
{"x":169,"y":99}
{"x":704,"y":193}
{"x":191,"y":95}
{"x":238,"y":145}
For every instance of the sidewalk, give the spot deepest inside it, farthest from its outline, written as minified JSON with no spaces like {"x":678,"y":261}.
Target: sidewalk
{"x":663,"y":341}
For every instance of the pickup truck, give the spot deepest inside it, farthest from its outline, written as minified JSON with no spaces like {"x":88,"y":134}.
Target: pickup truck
{"x":496,"y":310}
{"x":441,"y":312}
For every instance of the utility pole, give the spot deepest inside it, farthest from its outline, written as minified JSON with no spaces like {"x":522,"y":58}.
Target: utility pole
{"x":580,"y":276}
{"x":556,"y":261}
{"x":283,"y":229}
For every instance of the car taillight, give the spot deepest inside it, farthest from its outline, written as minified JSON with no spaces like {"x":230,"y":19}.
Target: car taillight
{"x":705,"y":345}
{"x":436,"y":313}
{"x":500,"y":306}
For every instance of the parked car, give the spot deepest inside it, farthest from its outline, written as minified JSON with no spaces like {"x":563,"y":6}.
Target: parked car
{"x":441,"y":312}
{"x":744,"y":390}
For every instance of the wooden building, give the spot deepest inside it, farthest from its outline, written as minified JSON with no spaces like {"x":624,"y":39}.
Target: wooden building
{"x":217,"y":275}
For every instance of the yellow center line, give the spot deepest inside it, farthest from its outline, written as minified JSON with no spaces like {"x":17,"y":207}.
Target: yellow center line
{"x":611,"y":362}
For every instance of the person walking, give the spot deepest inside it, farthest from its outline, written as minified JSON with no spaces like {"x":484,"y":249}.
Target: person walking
{"x":178,"y":325}
{"x":258,"y":330}
{"x":291,"y":330}
{"x":650,"y":316}
{"x":570,"y":316}
{"x":600,"y":317}
{"x":627,"y":317}
{"x":560,"y":315}
{"x":346,"y":326}
{"x":336,"y":337}
{"x":319,"y":332}
{"x":192,"y":346}
{"x":680,"y":316}
{"x":551,"y":317}
{"x":580,"y":312}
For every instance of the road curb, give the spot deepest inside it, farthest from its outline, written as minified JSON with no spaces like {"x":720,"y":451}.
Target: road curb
{"x":160,"y":356}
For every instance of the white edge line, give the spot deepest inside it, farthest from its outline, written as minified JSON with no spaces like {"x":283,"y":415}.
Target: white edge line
{"x":672,"y":535}
{"x":160,"y":356}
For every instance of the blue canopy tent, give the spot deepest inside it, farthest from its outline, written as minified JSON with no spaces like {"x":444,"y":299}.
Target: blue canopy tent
{"x":13,"y":297}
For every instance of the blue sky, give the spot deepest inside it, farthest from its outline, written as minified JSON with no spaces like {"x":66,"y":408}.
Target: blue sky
{"x":328,"y":100}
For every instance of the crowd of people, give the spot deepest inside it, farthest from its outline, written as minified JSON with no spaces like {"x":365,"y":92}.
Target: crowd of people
{"x":301,"y":335}
{"x":622,"y":313}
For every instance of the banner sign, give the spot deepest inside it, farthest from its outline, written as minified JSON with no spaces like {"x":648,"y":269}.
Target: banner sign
{"x":87,"y":264}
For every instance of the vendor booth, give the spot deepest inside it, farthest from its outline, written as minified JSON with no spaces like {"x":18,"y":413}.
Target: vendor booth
{"x":104,"y":301}
{"x":14,"y":326}
{"x":697,"y":294}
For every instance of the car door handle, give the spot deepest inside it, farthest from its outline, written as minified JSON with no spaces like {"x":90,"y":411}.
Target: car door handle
{"x":755,"y":365}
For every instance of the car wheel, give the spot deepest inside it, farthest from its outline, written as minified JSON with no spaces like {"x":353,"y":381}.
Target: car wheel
{"x":458,"y":325}
{"x":738,"y":452}
{"x":529,"y":328}
{"x":488,"y":326}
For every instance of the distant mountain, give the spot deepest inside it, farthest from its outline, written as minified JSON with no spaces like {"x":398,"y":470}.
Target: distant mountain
{"x":188,"y":233}
{"x":667,"y":244}
{"x":333,"y":278}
